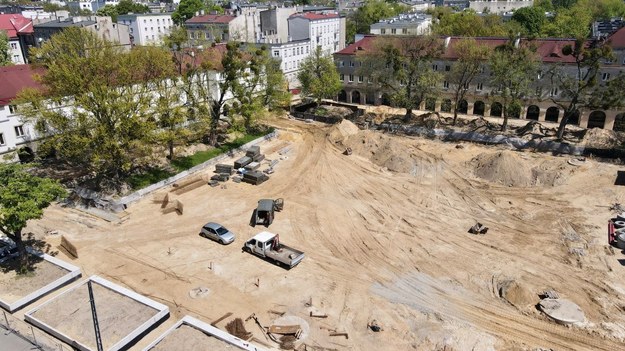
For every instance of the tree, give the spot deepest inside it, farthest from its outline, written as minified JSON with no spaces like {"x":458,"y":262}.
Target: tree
{"x":467,"y":23}
{"x":107,"y":121}
{"x":5,"y":55}
{"x":275,"y":94}
{"x":318,"y":76}
{"x":513,"y":69}
{"x":544,"y":5}
{"x":108,"y":10}
{"x":582,"y":90}
{"x":369,"y":13}
{"x":471,"y":58}
{"x":403,"y":67}
{"x":531,"y":19}
{"x":128,"y":6}
{"x":559,"y":4}
{"x":186,"y":9}
{"x":23,"y":197}
{"x":51,"y":7}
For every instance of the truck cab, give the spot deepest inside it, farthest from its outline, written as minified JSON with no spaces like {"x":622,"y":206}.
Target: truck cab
{"x":265,"y":244}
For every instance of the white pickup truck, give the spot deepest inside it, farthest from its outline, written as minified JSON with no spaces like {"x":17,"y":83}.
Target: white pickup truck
{"x":265,"y":244}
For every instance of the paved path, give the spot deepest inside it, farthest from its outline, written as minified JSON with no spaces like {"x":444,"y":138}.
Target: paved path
{"x":12,"y":342}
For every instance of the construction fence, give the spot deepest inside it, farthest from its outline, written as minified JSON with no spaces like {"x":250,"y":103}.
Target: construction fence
{"x":38,"y":338}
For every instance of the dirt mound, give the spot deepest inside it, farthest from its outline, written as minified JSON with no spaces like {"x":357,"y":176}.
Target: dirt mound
{"x":341,"y":131}
{"x":601,"y":138}
{"x":517,"y":295}
{"x":534,"y":130}
{"x":384,"y":151}
{"x":503,"y":167}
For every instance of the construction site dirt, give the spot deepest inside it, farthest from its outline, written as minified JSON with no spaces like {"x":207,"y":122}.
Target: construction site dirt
{"x":385,"y":236}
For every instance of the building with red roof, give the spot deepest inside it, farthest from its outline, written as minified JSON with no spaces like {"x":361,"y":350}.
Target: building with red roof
{"x":480,"y":100}
{"x":19,"y":29}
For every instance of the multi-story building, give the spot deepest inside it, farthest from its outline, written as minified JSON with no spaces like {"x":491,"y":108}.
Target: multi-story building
{"x":291,"y":55}
{"x":324,"y":30}
{"x":417,"y":5}
{"x":15,"y":133}
{"x":104,"y":27}
{"x":499,"y":6}
{"x":274,"y":27}
{"x":408,"y":24}
{"x":148,"y":28}
{"x":215,"y":28}
{"x":481,"y":99}
{"x":19,"y":30}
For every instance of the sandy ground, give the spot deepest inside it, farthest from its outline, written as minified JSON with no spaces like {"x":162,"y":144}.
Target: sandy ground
{"x":188,"y":338}
{"x":14,"y":287}
{"x":118,"y":315}
{"x":385,"y":245}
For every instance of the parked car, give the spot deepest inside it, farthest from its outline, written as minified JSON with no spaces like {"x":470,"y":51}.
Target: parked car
{"x":217,"y":232}
{"x":8,"y":250}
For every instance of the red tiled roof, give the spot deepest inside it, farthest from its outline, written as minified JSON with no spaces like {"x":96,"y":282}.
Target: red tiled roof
{"x":617,"y":39}
{"x":315,"y":16}
{"x":14,"y":79}
{"x":549,"y":50}
{"x":15,"y":24}
{"x":211,"y":19}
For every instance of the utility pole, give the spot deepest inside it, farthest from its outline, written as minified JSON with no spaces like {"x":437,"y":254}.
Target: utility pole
{"x":96,"y":326}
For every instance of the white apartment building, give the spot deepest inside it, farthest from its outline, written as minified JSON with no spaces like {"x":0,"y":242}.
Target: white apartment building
{"x":291,"y":55}
{"x":409,"y":24}
{"x":324,"y":30}
{"x":147,"y":28}
{"x":19,"y":30}
{"x":499,"y":6}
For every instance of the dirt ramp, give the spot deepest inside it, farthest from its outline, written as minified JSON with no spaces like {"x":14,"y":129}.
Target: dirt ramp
{"x":503,"y":167}
{"x":341,"y":131}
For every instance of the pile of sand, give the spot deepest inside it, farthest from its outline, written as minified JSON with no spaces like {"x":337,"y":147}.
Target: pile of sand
{"x":503,"y":167}
{"x":601,"y":138}
{"x":517,"y":295}
{"x":382,"y":150}
{"x":341,"y":131}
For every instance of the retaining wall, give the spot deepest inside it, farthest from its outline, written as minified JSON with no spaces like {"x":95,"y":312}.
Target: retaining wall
{"x":208,"y":329}
{"x":122,"y":203}
{"x":73,"y":273}
{"x":163,"y":311}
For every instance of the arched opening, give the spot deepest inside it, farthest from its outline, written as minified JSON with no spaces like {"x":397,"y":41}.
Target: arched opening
{"x":574,"y":118}
{"x":619,"y":123}
{"x":533,"y":112}
{"x":355,"y":97}
{"x":552,"y":115}
{"x":463,"y":106}
{"x":446,"y":105}
{"x":430,"y":104}
{"x":342,"y":96}
{"x":386,"y":100}
{"x":370,"y":99}
{"x":496,"y":110}
{"x":596,"y":119}
{"x":514,"y":110}
{"x":26,"y":154}
{"x":478,"y":108}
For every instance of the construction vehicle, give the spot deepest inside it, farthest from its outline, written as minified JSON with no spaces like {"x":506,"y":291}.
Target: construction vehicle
{"x":264,"y":212}
{"x":267,"y":245}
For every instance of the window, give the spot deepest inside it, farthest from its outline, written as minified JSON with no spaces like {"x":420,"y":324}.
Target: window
{"x":351,"y":64}
{"x":605,"y":76}
{"x":383,"y":31}
{"x":553,"y":92}
{"x":342,"y":77}
{"x":14,"y":46}
{"x":351,"y":78}
{"x":393,"y":31}
{"x":19,"y":131}
{"x":447,"y":68}
{"x":12,"y":109}
{"x":307,"y":49}
{"x":369,"y":80}
{"x":1,"y":139}
{"x":446,"y":85}
{"x":360,"y":79}
{"x":341,"y":63}
{"x":404,"y":31}
{"x":479,"y":86}
{"x":276,"y":53}
{"x":466,"y":85}
{"x":435,"y":67}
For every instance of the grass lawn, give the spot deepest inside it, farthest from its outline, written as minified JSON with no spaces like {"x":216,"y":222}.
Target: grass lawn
{"x":154,"y":175}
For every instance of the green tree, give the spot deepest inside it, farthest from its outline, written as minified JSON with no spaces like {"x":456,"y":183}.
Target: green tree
{"x":128,"y":6}
{"x":369,"y":13}
{"x":544,"y":5}
{"x":513,"y":69}
{"x":107,"y":122}
{"x":23,"y":197}
{"x":602,"y":9}
{"x":582,"y":90}
{"x":275,"y":94}
{"x":559,"y":4}
{"x":318,"y":76}
{"x":471,"y":60}
{"x":186,"y":9}
{"x":108,"y":10}
{"x":531,"y":19}
{"x":51,"y":7}
{"x":569,"y":23}
{"x":403,"y":67}
{"x":467,"y":24}
{"x":5,"y":55}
